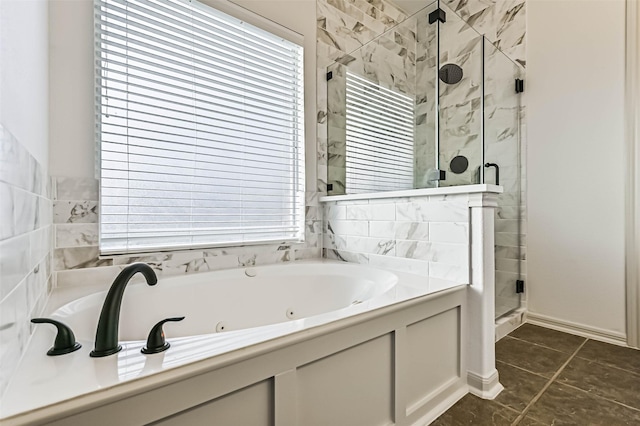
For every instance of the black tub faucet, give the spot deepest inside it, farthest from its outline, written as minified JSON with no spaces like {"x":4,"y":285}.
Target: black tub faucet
{"x":107,"y":332}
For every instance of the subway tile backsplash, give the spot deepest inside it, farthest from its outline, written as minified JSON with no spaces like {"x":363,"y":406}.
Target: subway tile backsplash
{"x":25,"y":248}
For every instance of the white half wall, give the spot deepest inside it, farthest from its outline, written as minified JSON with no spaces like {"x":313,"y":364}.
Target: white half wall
{"x":576,"y":183}
{"x":24,"y":74}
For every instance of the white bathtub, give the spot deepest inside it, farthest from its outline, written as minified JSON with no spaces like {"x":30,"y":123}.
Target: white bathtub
{"x":232,"y":300}
{"x":277,"y":319}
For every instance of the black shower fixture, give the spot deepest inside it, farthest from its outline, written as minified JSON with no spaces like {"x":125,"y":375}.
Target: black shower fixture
{"x":450,"y":73}
{"x":459,"y":164}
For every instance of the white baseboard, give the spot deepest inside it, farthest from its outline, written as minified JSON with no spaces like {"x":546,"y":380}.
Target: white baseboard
{"x":442,"y":407}
{"x":484,"y":387}
{"x":506,"y":324}
{"x":577,"y":329}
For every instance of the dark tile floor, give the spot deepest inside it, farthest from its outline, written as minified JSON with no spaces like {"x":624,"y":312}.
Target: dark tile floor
{"x":554,"y":378}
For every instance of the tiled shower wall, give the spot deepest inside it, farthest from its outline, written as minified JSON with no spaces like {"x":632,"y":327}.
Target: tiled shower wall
{"x":503,"y":22}
{"x":424,"y":235}
{"x":25,"y":249}
{"x":340,"y":23}
{"x":77,"y":260}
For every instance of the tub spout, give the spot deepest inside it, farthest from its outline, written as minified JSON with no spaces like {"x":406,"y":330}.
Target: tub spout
{"x":107,"y":331}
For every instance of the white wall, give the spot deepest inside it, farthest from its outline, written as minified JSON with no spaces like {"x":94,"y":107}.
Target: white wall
{"x":24,"y":78}
{"x":72,"y":97}
{"x":575,"y":98}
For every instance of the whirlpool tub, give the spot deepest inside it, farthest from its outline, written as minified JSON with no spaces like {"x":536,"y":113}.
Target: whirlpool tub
{"x":304,"y":343}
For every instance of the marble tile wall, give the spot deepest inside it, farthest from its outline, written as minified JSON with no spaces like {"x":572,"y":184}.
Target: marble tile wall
{"x":423,"y":235}
{"x":25,"y":248}
{"x":503,"y":22}
{"x":76,"y":259}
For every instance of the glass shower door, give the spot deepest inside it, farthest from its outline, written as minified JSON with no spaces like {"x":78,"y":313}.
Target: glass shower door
{"x":502,"y":166}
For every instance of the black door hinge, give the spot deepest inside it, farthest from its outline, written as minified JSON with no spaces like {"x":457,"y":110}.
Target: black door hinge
{"x":519,"y":85}
{"x":329,"y":75}
{"x":519,"y":286}
{"x":329,"y":187}
{"x":437,"y":15}
{"x":443,"y":175}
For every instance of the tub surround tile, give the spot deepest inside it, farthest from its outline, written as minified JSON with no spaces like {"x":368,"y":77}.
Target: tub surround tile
{"x":89,"y":276}
{"x":26,"y":209}
{"x":367,"y":232}
{"x":25,"y":248}
{"x":399,"y":264}
{"x":78,"y":258}
{"x":454,"y":232}
{"x":372,"y":245}
{"x":451,"y":254}
{"x":14,"y":263}
{"x":264,"y":259}
{"x":14,"y":332}
{"x":431,"y":212}
{"x":457,"y":273}
{"x":346,"y":256}
{"x":399,"y":230}
{"x":350,"y":227}
{"x":76,"y":188}
{"x":307,"y":254}
{"x":75,"y":212}
{"x":368,"y":212}
{"x":76,"y":235}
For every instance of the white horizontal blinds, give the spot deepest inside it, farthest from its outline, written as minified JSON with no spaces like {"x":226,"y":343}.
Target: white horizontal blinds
{"x":379,"y":135}
{"x":200,"y":124}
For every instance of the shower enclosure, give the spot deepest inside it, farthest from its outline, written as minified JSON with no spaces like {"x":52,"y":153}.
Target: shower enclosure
{"x":432,"y":103}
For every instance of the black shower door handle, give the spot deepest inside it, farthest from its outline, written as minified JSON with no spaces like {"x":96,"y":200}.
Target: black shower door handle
{"x":497,"y":171}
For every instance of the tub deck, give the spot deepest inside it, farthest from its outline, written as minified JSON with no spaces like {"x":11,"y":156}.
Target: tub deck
{"x":418,"y":313}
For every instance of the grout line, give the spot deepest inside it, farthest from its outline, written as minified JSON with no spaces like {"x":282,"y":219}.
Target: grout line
{"x":615,"y":367}
{"x":541,"y":345}
{"x":522,"y":369}
{"x":593,"y":395}
{"x":546,"y":386}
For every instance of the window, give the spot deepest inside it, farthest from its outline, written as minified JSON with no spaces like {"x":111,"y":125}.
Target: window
{"x":200,"y":128}
{"x":379,"y":137}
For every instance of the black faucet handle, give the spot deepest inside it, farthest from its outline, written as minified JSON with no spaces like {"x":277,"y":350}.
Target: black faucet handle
{"x":156,"y":342}
{"x":65,"y":339}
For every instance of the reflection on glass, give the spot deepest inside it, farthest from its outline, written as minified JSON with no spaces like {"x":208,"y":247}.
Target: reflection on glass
{"x":407,"y":109}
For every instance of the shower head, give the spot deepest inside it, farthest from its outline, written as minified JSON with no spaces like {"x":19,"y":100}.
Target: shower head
{"x":450,"y":73}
